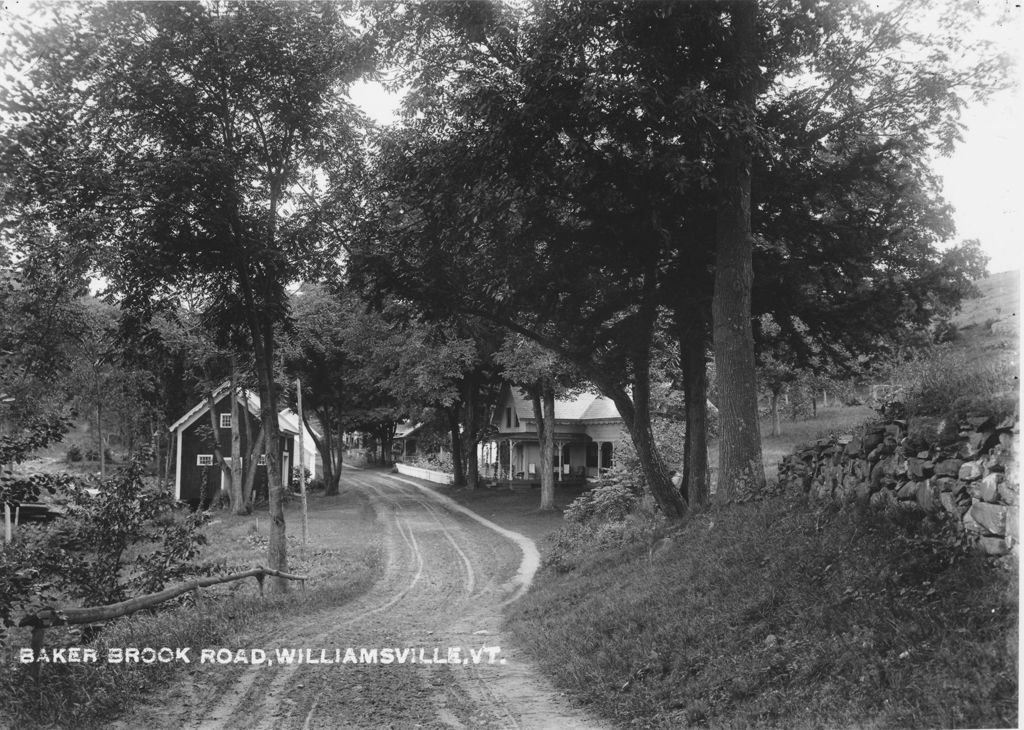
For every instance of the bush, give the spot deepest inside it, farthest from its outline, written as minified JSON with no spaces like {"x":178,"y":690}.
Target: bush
{"x":74,"y":453}
{"x":945,"y":381}
{"x":579,"y":542}
{"x":125,"y":540}
{"x":613,"y":499}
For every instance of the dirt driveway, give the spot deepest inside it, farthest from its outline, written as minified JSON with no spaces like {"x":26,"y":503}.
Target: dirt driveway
{"x":448,"y":575}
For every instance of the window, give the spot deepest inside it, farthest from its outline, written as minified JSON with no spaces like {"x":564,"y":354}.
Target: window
{"x":204,"y":460}
{"x":516,"y":417}
{"x":262,"y":460}
{"x":592,"y":454}
{"x":508,"y":418}
{"x":225,"y":420}
{"x":606,"y":454}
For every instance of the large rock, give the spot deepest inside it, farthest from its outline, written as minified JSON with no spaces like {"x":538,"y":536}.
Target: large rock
{"x":949,"y":503}
{"x":970,"y":470}
{"x":1009,"y":492}
{"x":991,"y":517}
{"x":1013,"y":524}
{"x":971,"y":524}
{"x":948,"y":468}
{"x":994,"y":545}
{"x":907,"y":491}
{"x":928,"y":497}
{"x":987,"y":489}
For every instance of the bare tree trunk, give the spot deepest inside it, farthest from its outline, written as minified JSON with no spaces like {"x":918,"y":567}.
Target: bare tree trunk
{"x":741,"y":472}
{"x":235,"y":486}
{"x":458,"y":466}
{"x":696,"y":482}
{"x":776,"y":421}
{"x":543,"y":397}
{"x":637,"y":418}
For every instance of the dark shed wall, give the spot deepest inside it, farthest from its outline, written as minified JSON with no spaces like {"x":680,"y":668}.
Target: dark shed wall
{"x":192,"y":446}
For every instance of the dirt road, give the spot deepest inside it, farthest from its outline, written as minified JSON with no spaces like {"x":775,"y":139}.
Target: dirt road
{"x":448,"y":575}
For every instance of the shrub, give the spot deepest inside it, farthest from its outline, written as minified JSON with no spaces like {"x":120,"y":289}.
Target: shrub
{"x":578,"y":542}
{"x":124,"y":540}
{"x":74,"y":453}
{"x":946,"y":381}
{"x":613,"y":499}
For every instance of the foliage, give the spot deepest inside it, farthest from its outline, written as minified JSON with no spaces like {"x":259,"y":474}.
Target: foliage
{"x":118,"y":540}
{"x":439,"y":460}
{"x":612,"y":500}
{"x":203,"y":147}
{"x":576,"y":543}
{"x":946,"y":380}
{"x":37,"y":433}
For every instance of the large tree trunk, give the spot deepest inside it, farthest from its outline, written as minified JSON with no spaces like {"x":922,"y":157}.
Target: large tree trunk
{"x":238,"y":505}
{"x":543,"y":396}
{"x":636,"y":416}
{"x":695,"y":391}
{"x":458,"y":466}
{"x":277,"y":549}
{"x":740,"y":472}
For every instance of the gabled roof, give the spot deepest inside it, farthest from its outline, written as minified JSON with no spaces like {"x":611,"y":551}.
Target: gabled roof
{"x":406,"y":428}
{"x":585,"y":406}
{"x":287,"y":420}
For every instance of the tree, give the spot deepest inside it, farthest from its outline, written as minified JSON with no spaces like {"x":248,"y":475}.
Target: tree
{"x":208,"y":145}
{"x":656,"y":124}
{"x":319,"y":351}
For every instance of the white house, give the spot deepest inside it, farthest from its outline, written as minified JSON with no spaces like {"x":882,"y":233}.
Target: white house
{"x":586,"y":429}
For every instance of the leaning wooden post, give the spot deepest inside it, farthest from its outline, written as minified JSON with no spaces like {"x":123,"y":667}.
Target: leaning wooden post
{"x":302,"y":466}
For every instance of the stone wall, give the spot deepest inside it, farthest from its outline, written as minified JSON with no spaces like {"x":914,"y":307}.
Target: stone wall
{"x":969,"y":472}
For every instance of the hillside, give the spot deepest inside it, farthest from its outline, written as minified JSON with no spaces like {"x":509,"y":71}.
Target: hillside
{"x":789,"y":614}
{"x":991,"y":322}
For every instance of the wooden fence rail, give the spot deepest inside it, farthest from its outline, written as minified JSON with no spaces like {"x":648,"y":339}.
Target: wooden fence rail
{"x":47,"y":617}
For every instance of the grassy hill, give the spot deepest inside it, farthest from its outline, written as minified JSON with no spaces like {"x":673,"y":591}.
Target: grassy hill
{"x":785,"y":614}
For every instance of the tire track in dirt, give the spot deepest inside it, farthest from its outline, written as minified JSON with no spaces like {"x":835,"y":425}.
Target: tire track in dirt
{"x":448,"y":574}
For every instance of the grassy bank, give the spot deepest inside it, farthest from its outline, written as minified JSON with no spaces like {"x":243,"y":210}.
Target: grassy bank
{"x":775,"y":615}
{"x":343,"y":557}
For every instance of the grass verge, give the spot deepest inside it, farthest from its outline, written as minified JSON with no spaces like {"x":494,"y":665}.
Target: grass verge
{"x":343,"y":558}
{"x":775,"y":615}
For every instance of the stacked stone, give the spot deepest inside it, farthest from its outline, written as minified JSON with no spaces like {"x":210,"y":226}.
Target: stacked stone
{"x":971,"y":475}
